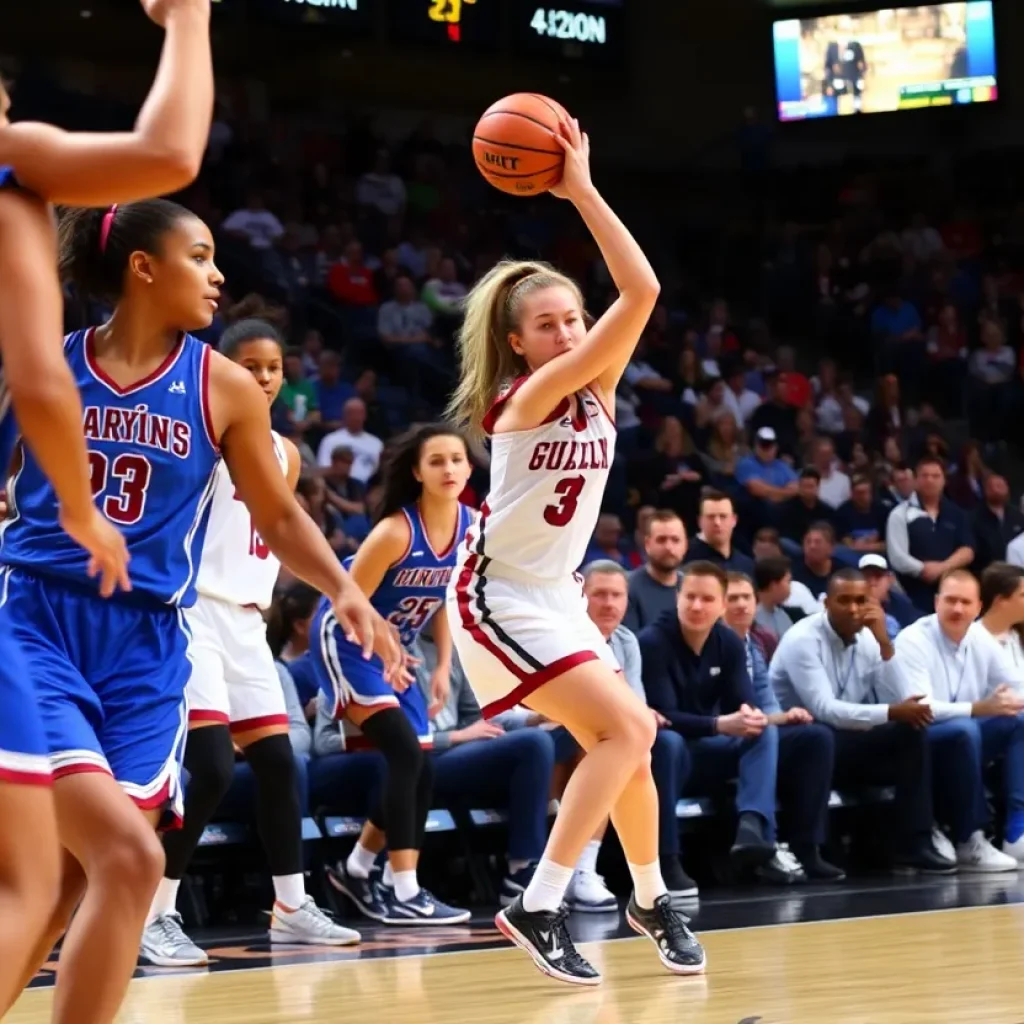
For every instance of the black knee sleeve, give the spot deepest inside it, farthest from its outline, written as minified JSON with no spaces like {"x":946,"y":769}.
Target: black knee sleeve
{"x":390,"y":732}
{"x":210,"y":763}
{"x":278,"y":813}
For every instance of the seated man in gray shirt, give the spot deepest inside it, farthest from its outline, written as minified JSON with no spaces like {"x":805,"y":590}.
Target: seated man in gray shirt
{"x":840,"y":665}
{"x":653,"y":587}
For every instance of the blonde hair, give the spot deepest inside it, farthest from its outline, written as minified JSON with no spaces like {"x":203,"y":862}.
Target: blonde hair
{"x":492,"y":312}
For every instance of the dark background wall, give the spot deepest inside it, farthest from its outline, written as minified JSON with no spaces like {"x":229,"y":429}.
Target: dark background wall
{"x":693,"y":67}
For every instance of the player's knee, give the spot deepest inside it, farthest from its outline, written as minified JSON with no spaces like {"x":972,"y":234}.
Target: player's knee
{"x":133,"y":862}
{"x":638,"y":730}
{"x":210,"y":761}
{"x":390,"y":732}
{"x":272,"y":758}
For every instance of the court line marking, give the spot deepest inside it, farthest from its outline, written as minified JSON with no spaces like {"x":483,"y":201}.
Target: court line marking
{"x":176,"y":974}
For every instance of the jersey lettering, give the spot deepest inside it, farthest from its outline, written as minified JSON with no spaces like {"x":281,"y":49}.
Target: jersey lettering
{"x":133,"y":473}
{"x":547,"y":485}
{"x":257,"y":545}
{"x":569,"y":455}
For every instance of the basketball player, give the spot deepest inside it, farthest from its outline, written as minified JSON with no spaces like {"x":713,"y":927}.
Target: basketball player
{"x":541,"y":385}
{"x":38,"y":164}
{"x":234,"y":695}
{"x":403,"y":566}
{"x":160,"y":410}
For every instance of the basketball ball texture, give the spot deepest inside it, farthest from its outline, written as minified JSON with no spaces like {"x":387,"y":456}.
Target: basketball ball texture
{"x":514,"y":145}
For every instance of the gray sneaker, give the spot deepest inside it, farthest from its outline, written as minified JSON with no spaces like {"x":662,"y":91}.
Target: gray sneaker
{"x":309,"y":925}
{"x":165,"y":944}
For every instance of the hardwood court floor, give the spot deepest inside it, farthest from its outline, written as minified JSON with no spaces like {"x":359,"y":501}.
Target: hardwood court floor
{"x":962,"y":966}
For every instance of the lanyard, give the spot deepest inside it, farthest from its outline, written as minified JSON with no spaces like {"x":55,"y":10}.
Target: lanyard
{"x":945,"y":649}
{"x":843,"y":681}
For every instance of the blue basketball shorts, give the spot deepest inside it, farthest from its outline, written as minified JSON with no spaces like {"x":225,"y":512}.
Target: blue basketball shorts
{"x":346,"y":678}
{"x":109,"y":679}
{"x":24,"y":757}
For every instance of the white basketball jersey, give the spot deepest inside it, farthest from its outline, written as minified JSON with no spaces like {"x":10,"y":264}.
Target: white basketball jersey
{"x":236,"y":566}
{"x":547,"y":485}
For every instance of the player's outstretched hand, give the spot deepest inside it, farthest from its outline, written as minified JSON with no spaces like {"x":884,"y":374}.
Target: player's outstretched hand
{"x":362,"y":625}
{"x":576,"y":171}
{"x":108,"y":553}
{"x":158,"y":10}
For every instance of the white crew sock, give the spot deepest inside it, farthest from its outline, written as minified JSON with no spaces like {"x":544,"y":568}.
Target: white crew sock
{"x":546,"y":890}
{"x":389,"y":875}
{"x":406,"y":886}
{"x":588,"y":858}
{"x":360,"y":861}
{"x":165,"y":900}
{"x":648,"y":884}
{"x":290,"y":890}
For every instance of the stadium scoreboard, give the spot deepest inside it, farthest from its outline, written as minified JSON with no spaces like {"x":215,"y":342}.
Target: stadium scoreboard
{"x":588,"y":31}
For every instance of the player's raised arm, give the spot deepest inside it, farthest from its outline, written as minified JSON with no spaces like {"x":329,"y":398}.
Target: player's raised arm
{"x":42,"y":388}
{"x":164,"y":152}
{"x":240,"y":413}
{"x":609,"y":345}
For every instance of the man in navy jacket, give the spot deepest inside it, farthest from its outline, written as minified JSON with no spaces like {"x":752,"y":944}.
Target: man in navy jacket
{"x":695,"y":675}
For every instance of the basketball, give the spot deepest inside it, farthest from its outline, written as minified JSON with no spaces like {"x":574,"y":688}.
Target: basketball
{"x":514,"y":145}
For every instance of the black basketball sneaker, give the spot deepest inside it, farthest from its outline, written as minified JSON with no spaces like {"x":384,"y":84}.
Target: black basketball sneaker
{"x":545,"y":936}
{"x":667,"y":928}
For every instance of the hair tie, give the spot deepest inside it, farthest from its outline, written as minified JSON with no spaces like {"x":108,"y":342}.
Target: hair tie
{"x":108,"y":223}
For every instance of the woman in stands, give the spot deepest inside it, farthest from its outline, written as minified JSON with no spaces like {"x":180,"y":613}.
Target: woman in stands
{"x":39,"y":165}
{"x":403,"y":566}
{"x":235,"y":698}
{"x":288,"y":639}
{"x":535,"y":379}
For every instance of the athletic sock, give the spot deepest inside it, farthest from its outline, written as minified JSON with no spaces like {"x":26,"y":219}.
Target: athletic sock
{"x":290,"y":891}
{"x":588,"y":858}
{"x":648,"y":884}
{"x":165,"y":900}
{"x":406,"y":886}
{"x":360,"y":861}
{"x":546,"y":890}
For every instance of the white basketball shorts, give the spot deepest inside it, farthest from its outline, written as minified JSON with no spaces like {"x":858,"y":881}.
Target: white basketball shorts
{"x":234,"y":680}
{"x":512,"y":637}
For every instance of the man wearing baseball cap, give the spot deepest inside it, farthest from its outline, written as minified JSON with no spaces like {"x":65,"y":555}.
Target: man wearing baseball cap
{"x":899,"y":612}
{"x":764,"y":475}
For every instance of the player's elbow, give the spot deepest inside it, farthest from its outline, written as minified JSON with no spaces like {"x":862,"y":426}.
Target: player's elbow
{"x":37,"y":384}
{"x":178,"y":164}
{"x":645,"y":290}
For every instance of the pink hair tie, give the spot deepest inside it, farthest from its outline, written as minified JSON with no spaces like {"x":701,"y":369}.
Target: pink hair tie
{"x":108,"y":223}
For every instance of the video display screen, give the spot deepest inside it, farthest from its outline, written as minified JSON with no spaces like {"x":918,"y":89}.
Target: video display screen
{"x":838,"y":65}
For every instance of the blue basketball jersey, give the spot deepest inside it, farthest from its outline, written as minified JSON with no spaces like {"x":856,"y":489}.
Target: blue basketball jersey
{"x":8,"y":428}
{"x":415,"y":587}
{"x":153,"y":459}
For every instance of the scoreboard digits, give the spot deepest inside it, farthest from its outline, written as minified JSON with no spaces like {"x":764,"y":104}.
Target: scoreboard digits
{"x":473,"y":24}
{"x":589,"y":31}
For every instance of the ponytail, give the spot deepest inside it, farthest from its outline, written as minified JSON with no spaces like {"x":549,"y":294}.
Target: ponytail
{"x":492,"y":312}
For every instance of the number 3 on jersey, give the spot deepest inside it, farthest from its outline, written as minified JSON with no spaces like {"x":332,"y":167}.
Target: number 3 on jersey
{"x":257,"y":546}
{"x":569,"y":489}
{"x":132,"y":472}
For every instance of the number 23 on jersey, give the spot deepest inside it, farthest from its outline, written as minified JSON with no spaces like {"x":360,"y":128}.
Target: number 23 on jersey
{"x":125,"y":479}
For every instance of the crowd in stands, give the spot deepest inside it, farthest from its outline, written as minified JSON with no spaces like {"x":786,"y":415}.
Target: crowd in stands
{"x":828,"y":493}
